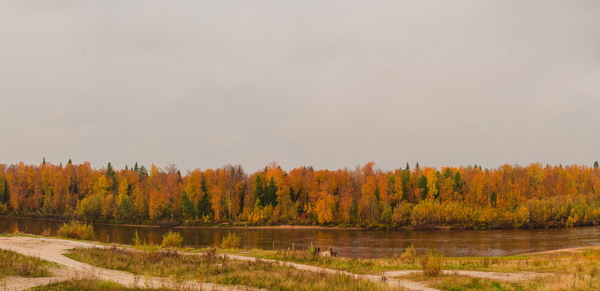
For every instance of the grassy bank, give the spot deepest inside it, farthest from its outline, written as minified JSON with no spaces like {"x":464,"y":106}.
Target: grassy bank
{"x":214,"y":269}
{"x":572,"y":270}
{"x":409,"y":261}
{"x":91,"y":284}
{"x":14,"y":264}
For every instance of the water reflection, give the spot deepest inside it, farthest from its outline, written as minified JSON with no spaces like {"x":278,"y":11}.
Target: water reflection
{"x":347,"y":242}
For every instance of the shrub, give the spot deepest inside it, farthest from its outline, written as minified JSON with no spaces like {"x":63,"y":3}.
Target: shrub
{"x":77,"y":230}
{"x":431,"y":263}
{"x":137,"y":242}
{"x":409,"y":255}
{"x":3,"y":208}
{"x":231,"y":241}
{"x":171,"y":240}
{"x":311,"y":250}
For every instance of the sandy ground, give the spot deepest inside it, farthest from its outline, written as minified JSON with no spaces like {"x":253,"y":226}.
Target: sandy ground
{"x":405,"y":284}
{"x":53,"y":249}
{"x":506,"y":277}
{"x":563,"y":251}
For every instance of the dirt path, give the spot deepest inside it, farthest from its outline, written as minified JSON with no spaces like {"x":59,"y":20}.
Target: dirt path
{"x":405,"y":284}
{"x":508,"y":277}
{"x":53,"y":249}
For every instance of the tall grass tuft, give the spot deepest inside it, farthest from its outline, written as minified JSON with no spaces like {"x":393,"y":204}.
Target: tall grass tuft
{"x":137,"y":241}
{"x":231,"y":241}
{"x":77,"y":230}
{"x":409,"y":255}
{"x":12,"y":264}
{"x":171,"y":240}
{"x":220,"y":270}
{"x":431,"y":263}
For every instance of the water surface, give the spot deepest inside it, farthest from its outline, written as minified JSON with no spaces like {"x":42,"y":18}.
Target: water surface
{"x":347,"y":242}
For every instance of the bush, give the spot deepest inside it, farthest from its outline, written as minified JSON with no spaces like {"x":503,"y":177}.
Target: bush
{"x":137,"y":242}
{"x":77,"y":230}
{"x":409,"y":255}
{"x":231,"y":241}
{"x":171,"y":240}
{"x":431,"y":263}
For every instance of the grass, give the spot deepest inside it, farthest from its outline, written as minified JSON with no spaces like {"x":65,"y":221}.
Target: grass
{"x":92,"y":284}
{"x":219,"y":270}
{"x":231,"y":241}
{"x":431,"y":263}
{"x":567,"y":271}
{"x":14,"y":264}
{"x":464,"y":283}
{"x":77,"y":230}
{"x":169,"y":240}
{"x":354,"y":265}
{"x":409,"y":260}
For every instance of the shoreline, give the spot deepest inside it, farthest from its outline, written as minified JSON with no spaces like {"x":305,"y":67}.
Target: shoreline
{"x":563,"y":250}
{"x":287,"y":226}
{"x":282,"y":226}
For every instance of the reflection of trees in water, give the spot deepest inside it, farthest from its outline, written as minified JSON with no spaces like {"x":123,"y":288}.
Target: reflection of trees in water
{"x":348,"y":242}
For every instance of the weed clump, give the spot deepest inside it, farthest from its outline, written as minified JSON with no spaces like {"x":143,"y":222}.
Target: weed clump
{"x":409,"y":255}
{"x":77,"y":230}
{"x":431,"y":263}
{"x":231,"y":241}
{"x":137,"y":241}
{"x":13,"y":264}
{"x":171,"y":240}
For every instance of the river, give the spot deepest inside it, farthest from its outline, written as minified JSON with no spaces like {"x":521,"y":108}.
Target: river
{"x":347,"y":242}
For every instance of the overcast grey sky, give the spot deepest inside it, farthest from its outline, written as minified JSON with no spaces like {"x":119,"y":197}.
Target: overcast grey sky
{"x":330,"y":84}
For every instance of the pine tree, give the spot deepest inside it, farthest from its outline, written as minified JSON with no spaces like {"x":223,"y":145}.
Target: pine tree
{"x":271,"y":195}
{"x":422,"y":184}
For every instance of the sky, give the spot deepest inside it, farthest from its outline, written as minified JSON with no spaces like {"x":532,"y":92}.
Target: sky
{"x":328,"y":84}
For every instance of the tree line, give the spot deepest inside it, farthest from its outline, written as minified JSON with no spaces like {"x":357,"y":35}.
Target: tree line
{"x":510,"y":196}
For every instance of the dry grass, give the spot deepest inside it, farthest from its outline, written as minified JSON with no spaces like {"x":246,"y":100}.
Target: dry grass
{"x":94,"y":284}
{"x":568,"y":270}
{"x":169,"y":240}
{"x":14,"y":264}
{"x":431,"y":263}
{"x":231,"y":241}
{"x":460,"y":283}
{"x":219,"y":270}
{"x":77,"y":230}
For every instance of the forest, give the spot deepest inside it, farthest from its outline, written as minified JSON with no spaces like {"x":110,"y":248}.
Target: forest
{"x":510,"y":196}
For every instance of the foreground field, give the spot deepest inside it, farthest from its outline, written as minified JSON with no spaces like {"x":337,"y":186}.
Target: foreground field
{"x":218,"y":269}
{"x":156,"y":268}
{"x":568,"y":269}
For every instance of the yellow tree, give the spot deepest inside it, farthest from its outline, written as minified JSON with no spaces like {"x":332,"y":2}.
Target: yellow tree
{"x":325,"y":206}
{"x":432,"y":180}
{"x":367,"y":206}
{"x":157,"y":197}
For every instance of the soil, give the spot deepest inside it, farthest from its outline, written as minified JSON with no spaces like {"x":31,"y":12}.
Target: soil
{"x":52,"y":249}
